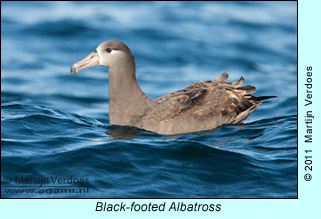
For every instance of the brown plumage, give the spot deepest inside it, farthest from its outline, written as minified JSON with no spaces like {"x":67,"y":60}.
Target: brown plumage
{"x":201,"y":106}
{"x":211,"y":103}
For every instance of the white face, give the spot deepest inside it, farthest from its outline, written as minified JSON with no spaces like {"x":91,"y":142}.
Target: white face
{"x":109,"y":55}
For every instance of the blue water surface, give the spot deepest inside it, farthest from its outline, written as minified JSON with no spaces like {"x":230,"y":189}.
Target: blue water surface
{"x":55,"y":128}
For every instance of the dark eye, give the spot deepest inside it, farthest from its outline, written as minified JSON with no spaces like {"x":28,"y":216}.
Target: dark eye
{"x":108,"y":50}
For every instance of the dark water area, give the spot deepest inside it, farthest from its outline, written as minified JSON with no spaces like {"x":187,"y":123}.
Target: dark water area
{"x":55,"y":127}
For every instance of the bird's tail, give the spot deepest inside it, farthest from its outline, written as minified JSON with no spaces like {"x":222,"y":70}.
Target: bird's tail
{"x":261,"y":98}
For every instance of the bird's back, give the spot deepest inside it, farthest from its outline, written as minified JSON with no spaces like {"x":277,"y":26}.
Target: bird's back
{"x":202,"y":106}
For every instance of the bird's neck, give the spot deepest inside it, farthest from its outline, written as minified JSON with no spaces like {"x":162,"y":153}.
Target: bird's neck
{"x":127,"y":102}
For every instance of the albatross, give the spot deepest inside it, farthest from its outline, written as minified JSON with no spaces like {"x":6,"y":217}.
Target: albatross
{"x":201,"y":106}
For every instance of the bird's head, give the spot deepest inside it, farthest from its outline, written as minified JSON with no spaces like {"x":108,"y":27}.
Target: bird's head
{"x":109,"y":53}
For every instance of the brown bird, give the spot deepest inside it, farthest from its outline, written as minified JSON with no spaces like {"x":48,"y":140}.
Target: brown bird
{"x":201,"y":106}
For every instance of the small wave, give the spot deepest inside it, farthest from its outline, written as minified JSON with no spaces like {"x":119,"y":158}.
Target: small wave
{"x":63,"y":28}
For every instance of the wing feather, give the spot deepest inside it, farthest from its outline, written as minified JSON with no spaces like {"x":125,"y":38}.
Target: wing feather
{"x":210,"y":99}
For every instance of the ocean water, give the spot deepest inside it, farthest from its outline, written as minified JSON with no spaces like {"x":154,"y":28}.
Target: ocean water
{"x":56,"y":141}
